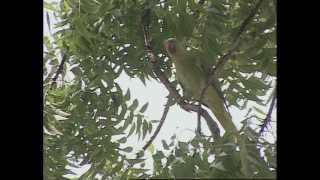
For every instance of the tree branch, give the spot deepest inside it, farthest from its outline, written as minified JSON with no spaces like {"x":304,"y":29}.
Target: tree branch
{"x":267,"y":120}
{"x":213,"y":126}
{"x":59,"y":70}
{"x":199,"y":120}
{"x":235,"y":43}
{"x":163,"y":117}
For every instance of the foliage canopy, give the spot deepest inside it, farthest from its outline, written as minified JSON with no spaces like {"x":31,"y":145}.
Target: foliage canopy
{"x":88,"y":119}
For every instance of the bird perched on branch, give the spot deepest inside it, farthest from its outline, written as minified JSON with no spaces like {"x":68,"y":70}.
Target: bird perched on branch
{"x":191,"y":73}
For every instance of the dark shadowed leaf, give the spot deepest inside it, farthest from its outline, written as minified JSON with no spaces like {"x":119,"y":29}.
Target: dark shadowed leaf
{"x":134,"y":105}
{"x":165,"y":145}
{"x":122,"y":140}
{"x":144,"y":107}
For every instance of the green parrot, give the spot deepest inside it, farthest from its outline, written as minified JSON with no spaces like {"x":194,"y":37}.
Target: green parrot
{"x":192,"y":73}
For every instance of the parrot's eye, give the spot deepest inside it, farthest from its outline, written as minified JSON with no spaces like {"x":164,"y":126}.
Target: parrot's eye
{"x":172,"y":47}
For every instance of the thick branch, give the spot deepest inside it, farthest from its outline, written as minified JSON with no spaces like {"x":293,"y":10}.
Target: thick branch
{"x":199,"y":120}
{"x":213,"y":126}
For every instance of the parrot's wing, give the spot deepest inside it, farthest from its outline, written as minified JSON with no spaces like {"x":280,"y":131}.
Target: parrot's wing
{"x":186,"y":94}
{"x":204,"y":66}
{"x":217,"y":87}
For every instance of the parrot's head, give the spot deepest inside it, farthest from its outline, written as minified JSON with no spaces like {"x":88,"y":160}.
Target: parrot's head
{"x":172,"y":47}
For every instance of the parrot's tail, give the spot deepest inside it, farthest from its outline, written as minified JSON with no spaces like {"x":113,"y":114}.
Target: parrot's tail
{"x":216,"y":105}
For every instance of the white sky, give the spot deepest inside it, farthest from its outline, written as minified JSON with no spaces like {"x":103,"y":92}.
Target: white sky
{"x":177,"y":122}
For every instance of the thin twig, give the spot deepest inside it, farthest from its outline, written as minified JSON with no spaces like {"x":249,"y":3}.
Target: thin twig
{"x":59,"y":70}
{"x":163,"y":117}
{"x":267,"y":120}
{"x":247,"y":20}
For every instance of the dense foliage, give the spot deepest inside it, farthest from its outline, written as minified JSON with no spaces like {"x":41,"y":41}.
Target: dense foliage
{"x":88,"y":117}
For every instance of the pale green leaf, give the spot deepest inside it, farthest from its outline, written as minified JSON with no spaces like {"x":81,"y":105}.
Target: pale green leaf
{"x":127,"y":149}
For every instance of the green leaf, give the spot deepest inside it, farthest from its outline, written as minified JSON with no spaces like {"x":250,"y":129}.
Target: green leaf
{"x":117,"y":168}
{"x":76,"y":71}
{"x":135,"y":161}
{"x":252,"y":97}
{"x":134,"y":105}
{"x":127,"y":149}
{"x":60,"y":118}
{"x":254,"y":83}
{"x":151,"y":148}
{"x":90,"y":6}
{"x":127,"y":95}
{"x":133,"y":126}
{"x":251,"y":133}
{"x":248,"y":68}
{"x":106,"y":7}
{"x":122,"y":140}
{"x":271,"y":68}
{"x":165,"y":145}
{"x":50,"y":6}
{"x":116,"y":12}
{"x":144,"y":107}
{"x":139,"y":122}
{"x":159,"y":155}
{"x":128,"y":121}
{"x":143,"y":79}
{"x":144,"y":129}
{"x":142,"y":165}
{"x":186,"y":25}
{"x":259,"y":110}
{"x":48,"y":21}
{"x":150,"y":128}
{"x":123,"y":111}
{"x":155,"y":121}
{"x":183,"y":170}
{"x":140,"y":153}
{"x":61,"y":113}
{"x":195,"y":143}
{"x":219,"y":166}
{"x":173,"y":137}
{"x":138,"y":171}
{"x":54,"y":62}
{"x":183,"y":146}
